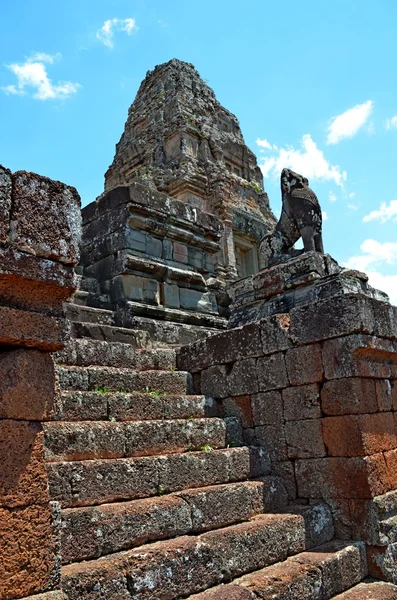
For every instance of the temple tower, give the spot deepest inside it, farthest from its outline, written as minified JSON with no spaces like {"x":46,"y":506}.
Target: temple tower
{"x":179,"y":140}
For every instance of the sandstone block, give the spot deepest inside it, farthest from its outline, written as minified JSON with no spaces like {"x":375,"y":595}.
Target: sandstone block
{"x":304,"y":439}
{"x":170,"y":295}
{"x":334,"y":477}
{"x":370,"y":591}
{"x":272,"y":372}
{"x":46,"y":218}
{"x":180,"y":253}
{"x":242,"y":379}
{"x":272,"y":438}
{"x":23,"y":478}
{"x":350,"y":395}
{"x":391,"y":465}
{"x":302,"y":402}
{"x":342,"y":565}
{"x":359,"y":435}
{"x":275,"y":333}
{"x":304,"y":365}
{"x":27,"y":385}
{"x":193,"y":300}
{"x":5,"y":203}
{"x":239,"y":406}
{"x":386,"y":394}
{"x":331,"y":318}
{"x":359,"y":356}
{"x":23,"y":328}
{"x":214,"y":382}
{"x":267,"y":408}
{"x":28,"y":548}
{"x":287,"y":580}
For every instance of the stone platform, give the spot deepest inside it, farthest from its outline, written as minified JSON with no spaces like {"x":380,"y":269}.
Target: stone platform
{"x":303,"y":280}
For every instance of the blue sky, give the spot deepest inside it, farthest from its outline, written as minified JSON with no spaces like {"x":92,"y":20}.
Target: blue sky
{"x":313,"y":84}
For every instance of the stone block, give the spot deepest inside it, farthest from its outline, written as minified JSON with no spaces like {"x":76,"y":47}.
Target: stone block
{"x":195,"y":258}
{"x":386,"y":394}
{"x":168,"y":249}
{"x":233,"y":345}
{"x":23,"y":479}
{"x":391,"y":466}
{"x":46,"y":219}
{"x":382,"y":562}
{"x":136,"y":240}
{"x":337,"y":477}
{"x":275,"y":333}
{"x":272,"y":372}
{"x":242,"y":379}
{"x":302,"y":402}
{"x":29,"y":551}
{"x":304,"y":365}
{"x":304,"y":439}
{"x":214,"y":382}
{"x":342,"y":565}
{"x":134,"y":287}
{"x":267,"y":408}
{"x":27,"y":385}
{"x":170,"y":295}
{"x":333,"y":317}
{"x":197,"y":301}
{"x":359,"y":435}
{"x":285,"y":470}
{"x":239,"y":406}
{"x":272,"y":438}
{"x":348,"y":396}
{"x":154,"y":247}
{"x":30,"y":329}
{"x":5,"y":203}
{"x":180,"y":253}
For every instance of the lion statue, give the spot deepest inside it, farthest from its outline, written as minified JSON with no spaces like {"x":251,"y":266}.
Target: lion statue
{"x":300,"y":217}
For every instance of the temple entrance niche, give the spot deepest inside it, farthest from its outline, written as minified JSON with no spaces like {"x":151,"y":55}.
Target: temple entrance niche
{"x":247,"y":256}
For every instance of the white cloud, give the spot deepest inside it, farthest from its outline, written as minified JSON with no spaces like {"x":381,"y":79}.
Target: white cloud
{"x":348,"y":123}
{"x":325,"y":215}
{"x":384,"y":214}
{"x":373,"y":255}
{"x":106,"y":33}
{"x":308,"y":161}
{"x":332,"y":197}
{"x":32,"y":74}
{"x":263,"y":144}
{"x":392,"y":123}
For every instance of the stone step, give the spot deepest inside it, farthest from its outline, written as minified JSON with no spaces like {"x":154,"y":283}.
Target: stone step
{"x":84,"y":352}
{"x":76,"y":441}
{"x":188,"y":564}
{"x":109,"y":333}
{"x":141,"y":333}
{"x":377,"y":590}
{"x":104,"y":379}
{"x":167,"y":333}
{"x":85,"y":483}
{"x":92,"y":532}
{"x":316,"y":575}
{"x":137,"y":406}
{"x":80,"y":297}
{"x":87,"y":314}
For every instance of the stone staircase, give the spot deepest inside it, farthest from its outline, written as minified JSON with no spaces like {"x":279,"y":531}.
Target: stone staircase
{"x":159,"y":499}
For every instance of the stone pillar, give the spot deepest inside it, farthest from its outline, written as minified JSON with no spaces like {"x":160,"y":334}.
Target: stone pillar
{"x":39,"y":231}
{"x":316,"y":384}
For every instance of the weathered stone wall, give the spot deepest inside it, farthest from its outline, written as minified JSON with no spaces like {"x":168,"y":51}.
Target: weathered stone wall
{"x":153,"y":255}
{"x":318,"y":388}
{"x":39,"y":234}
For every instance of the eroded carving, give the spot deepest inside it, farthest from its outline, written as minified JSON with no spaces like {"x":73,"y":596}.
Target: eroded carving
{"x":300,"y":218}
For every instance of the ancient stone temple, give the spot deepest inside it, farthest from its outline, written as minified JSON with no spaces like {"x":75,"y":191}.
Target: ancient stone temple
{"x":183,"y":210}
{"x":171,"y":429}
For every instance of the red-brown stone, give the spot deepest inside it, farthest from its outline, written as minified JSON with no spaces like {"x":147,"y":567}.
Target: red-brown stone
{"x":359,"y":435}
{"x":23,"y":479}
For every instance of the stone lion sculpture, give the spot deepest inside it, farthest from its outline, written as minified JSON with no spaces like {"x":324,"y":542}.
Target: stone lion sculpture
{"x":300,"y":217}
